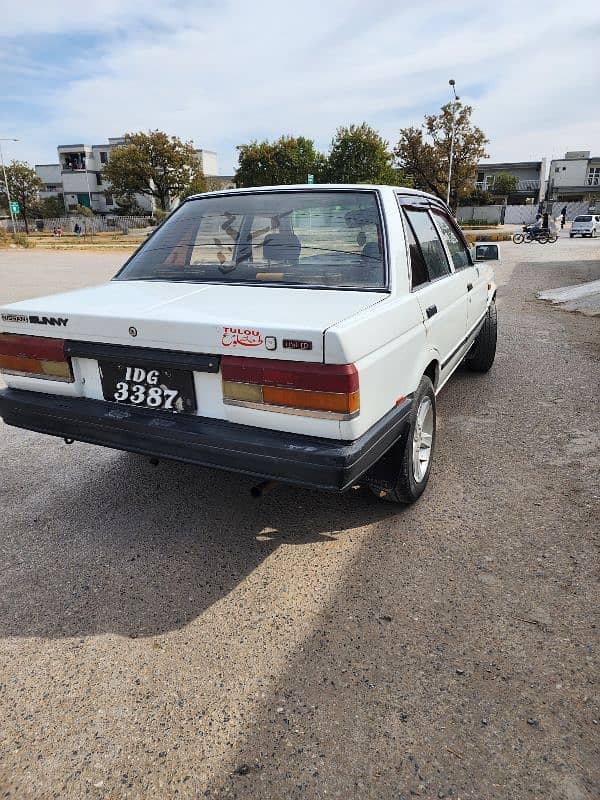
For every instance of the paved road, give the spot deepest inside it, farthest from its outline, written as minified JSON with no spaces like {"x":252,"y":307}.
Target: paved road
{"x":164,"y":635}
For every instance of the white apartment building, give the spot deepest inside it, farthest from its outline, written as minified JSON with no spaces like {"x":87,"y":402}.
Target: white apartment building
{"x":576,"y":177}
{"x":77,"y":178}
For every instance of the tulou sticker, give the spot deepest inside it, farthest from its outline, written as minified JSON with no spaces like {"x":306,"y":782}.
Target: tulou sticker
{"x":245,"y":337}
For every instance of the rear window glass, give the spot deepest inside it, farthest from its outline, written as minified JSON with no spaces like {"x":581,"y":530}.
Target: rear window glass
{"x":332,"y":239}
{"x":583,"y":218}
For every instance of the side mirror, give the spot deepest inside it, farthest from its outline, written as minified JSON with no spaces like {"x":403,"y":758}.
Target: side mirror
{"x":487,"y":252}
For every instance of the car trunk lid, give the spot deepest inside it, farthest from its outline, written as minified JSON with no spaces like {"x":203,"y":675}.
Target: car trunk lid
{"x":270,"y":322}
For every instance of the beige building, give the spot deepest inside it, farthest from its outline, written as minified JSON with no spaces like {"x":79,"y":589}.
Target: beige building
{"x":77,"y":177}
{"x":576,"y":177}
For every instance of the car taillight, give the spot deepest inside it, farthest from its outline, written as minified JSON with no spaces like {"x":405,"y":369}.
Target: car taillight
{"x":34,"y":357}
{"x":326,"y":390}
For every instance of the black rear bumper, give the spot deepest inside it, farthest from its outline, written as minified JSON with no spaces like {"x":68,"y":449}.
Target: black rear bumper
{"x":289,"y":457}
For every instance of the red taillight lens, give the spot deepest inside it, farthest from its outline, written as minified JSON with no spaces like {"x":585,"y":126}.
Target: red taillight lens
{"x":295,"y":374}
{"x":34,"y":356}
{"x":317,"y":388}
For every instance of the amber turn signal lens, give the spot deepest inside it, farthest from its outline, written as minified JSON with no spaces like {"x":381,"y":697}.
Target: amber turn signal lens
{"x":28,"y":367}
{"x":316,"y":401}
{"x":20,"y":364}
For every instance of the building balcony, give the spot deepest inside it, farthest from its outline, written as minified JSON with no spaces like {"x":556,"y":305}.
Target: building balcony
{"x":523,"y":186}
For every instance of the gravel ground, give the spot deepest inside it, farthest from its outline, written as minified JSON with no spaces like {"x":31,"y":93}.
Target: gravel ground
{"x":164,"y":635}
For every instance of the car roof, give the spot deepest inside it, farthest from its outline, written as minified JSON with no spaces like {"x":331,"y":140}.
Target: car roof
{"x":315,"y":187}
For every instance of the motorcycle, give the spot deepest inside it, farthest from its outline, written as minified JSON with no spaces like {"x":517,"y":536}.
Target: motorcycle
{"x":531,"y":234}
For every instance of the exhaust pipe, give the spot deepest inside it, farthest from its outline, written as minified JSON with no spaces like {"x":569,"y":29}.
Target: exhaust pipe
{"x":264,"y":487}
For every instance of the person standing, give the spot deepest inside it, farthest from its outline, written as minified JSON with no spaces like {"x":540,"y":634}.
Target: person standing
{"x":563,"y":217}
{"x":77,"y":229}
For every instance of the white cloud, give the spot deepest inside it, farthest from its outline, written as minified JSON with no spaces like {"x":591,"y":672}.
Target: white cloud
{"x":224,"y":73}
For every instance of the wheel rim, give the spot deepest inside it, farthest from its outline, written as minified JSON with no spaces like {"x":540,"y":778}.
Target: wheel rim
{"x":422,"y":439}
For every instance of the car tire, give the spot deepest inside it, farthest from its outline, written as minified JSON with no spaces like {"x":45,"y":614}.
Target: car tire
{"x":483,"y":351}
{"x":594,"y":233}
{"x":401,"y":475}
{"x":571,"y":235}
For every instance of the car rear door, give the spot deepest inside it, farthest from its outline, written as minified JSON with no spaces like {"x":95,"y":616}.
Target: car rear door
{"x":440,"y":291}
{"x":473,"y":280}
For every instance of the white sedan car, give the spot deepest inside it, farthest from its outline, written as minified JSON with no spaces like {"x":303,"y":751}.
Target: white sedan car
{"x":295,"y":333}
{"x":585,"y":225}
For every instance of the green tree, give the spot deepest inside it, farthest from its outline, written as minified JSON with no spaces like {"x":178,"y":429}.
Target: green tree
{"x":196,"y":186}
{"x":477,"y":197}
{"x":83,"y":211}
{"x":288,"y":160}
{"x":127,"y":205}
{"x":52,"y":207}
{"x":424,"y":153}
{"x":24,"y":187}
{"x":152,"y":164}
{"x":360,"y":155}
{"x":504,"y":184}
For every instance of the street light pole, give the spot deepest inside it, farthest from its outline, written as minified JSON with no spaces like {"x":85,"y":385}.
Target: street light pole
{"x":452,"y":83}
{"x":12,"y":216}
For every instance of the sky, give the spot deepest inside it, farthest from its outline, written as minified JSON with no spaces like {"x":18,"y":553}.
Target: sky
{"x":225,"y":72}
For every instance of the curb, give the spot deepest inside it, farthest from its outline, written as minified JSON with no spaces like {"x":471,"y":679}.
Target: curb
{"x":487,"y":237}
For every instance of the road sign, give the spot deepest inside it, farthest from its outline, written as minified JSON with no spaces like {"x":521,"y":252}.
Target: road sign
{"x":14,"y":207}
{"x":310,"y":179}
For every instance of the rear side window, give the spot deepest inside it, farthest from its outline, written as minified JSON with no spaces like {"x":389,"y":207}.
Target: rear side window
{"x":418,"y":268}
{"x":458,"y":252}
{"x":430,"y":243}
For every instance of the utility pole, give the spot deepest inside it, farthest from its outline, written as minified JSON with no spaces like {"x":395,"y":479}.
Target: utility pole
{"x":452,"y":83}
{"x":12,"y":216}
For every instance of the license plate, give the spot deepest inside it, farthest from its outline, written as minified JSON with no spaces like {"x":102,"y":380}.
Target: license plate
{"x":159,"y":388}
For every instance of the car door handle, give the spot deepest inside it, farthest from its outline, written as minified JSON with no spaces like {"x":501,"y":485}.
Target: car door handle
{"x":431,"y":311}
{"x":469,"y":287}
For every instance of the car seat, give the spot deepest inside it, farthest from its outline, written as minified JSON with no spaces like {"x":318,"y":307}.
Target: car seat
{"x":282,"y":247}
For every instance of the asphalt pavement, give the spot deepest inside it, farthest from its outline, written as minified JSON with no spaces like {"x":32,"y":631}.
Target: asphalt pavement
{"x":163,"y":634}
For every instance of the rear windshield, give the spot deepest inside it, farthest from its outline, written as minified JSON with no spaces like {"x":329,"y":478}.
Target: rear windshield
{"x":583,"y":218}
{"x":332,"y":239}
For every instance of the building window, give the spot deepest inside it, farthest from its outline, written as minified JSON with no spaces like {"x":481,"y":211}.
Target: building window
{"x":103,"y":157}
{"x":109,"y":199}
{"x":74,"y":161}
{"x":99,"y":178}
{"x":593,"y":178}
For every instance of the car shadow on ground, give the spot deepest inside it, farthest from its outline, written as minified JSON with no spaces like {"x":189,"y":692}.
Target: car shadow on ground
{"x":136,"y":550}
